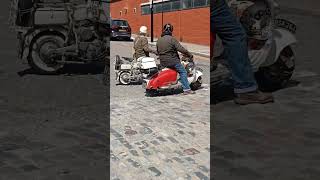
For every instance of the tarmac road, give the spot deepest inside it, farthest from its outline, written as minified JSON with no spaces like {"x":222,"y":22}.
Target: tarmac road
{"x":281,"y":140}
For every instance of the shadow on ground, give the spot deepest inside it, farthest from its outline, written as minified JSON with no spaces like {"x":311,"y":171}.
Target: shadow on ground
{"x":167,"y":92}
{"x":126,"y":40}
{"x":74,"y":69}
{"x":224,"y":91}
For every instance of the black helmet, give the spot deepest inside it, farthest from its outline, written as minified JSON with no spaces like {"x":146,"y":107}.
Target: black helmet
{"x":168,"y":28}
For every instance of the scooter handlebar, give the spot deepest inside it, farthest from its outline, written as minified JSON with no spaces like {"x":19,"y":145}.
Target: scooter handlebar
{"x":185,"y":58}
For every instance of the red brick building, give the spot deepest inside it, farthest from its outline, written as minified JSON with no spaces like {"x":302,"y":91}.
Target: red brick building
{"x":190,"y":18}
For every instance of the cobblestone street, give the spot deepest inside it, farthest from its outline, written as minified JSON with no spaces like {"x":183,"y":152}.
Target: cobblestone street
{"x":163,"y":137}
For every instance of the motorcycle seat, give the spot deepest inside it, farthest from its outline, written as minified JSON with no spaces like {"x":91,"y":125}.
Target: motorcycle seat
{"x":128,"y":59}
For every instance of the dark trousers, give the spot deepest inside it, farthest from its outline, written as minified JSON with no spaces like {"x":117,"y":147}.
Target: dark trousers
{"x":230,"y":31}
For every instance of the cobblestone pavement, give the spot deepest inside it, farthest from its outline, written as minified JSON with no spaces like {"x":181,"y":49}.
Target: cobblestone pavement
{"x":279,"y":141}
{"x":163,"y":137}
{"x":51,"y":127}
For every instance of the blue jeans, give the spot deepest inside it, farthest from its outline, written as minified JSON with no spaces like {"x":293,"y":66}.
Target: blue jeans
{"x":234,"y":39}
{"x":183,"y":76}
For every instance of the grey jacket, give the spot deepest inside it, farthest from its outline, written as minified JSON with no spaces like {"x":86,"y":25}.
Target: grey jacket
{"x":168,"y":48}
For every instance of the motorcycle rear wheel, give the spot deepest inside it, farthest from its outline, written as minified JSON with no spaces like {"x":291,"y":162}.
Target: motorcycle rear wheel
{"x":277,"y":75}
{"x":124,"y":78}
{"x":39,"y":59}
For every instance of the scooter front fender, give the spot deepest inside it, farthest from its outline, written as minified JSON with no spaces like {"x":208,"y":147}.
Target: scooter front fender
{"x":282,"y":39}
{"x":198,"y":75}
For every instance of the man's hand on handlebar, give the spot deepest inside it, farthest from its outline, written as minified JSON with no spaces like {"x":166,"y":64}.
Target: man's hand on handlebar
{"x":187,"y":58}
{"x":191,"y":58}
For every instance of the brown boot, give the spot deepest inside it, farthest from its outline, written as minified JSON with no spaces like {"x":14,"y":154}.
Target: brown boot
{"x":256,"y":97}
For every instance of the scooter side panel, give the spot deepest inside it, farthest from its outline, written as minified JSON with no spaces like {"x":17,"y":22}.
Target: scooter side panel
{"x":257,"y":57}
{"x":270,"y":53}
{"x":162,"y":79}
{"x":282,"y":39}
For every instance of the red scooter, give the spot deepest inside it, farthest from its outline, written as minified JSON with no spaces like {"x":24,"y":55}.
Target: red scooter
{"x":168,"y":79}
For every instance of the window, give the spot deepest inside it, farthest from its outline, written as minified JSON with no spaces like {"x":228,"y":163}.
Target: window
{"x":134,"y":10}
{"x":175,"y":5}
{"x":199,"y":3}
{"x":186,"y":4}
{"x":166,"y":6}
{"x":120,"y":13}
{"x":145,"y":10}
{"x":157,"y":8}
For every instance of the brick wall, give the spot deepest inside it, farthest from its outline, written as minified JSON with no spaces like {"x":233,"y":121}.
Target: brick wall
{"x":189,"y":25}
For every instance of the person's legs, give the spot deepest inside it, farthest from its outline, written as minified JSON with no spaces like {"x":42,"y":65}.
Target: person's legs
{"x":234,"y":39}
{"x":183,"y":76}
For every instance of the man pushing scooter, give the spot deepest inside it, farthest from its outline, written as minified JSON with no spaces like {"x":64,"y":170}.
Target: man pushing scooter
{"x":168,"y":48}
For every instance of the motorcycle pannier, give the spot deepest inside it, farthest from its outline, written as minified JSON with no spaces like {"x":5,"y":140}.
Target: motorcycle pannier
{"x":44,"y":16}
